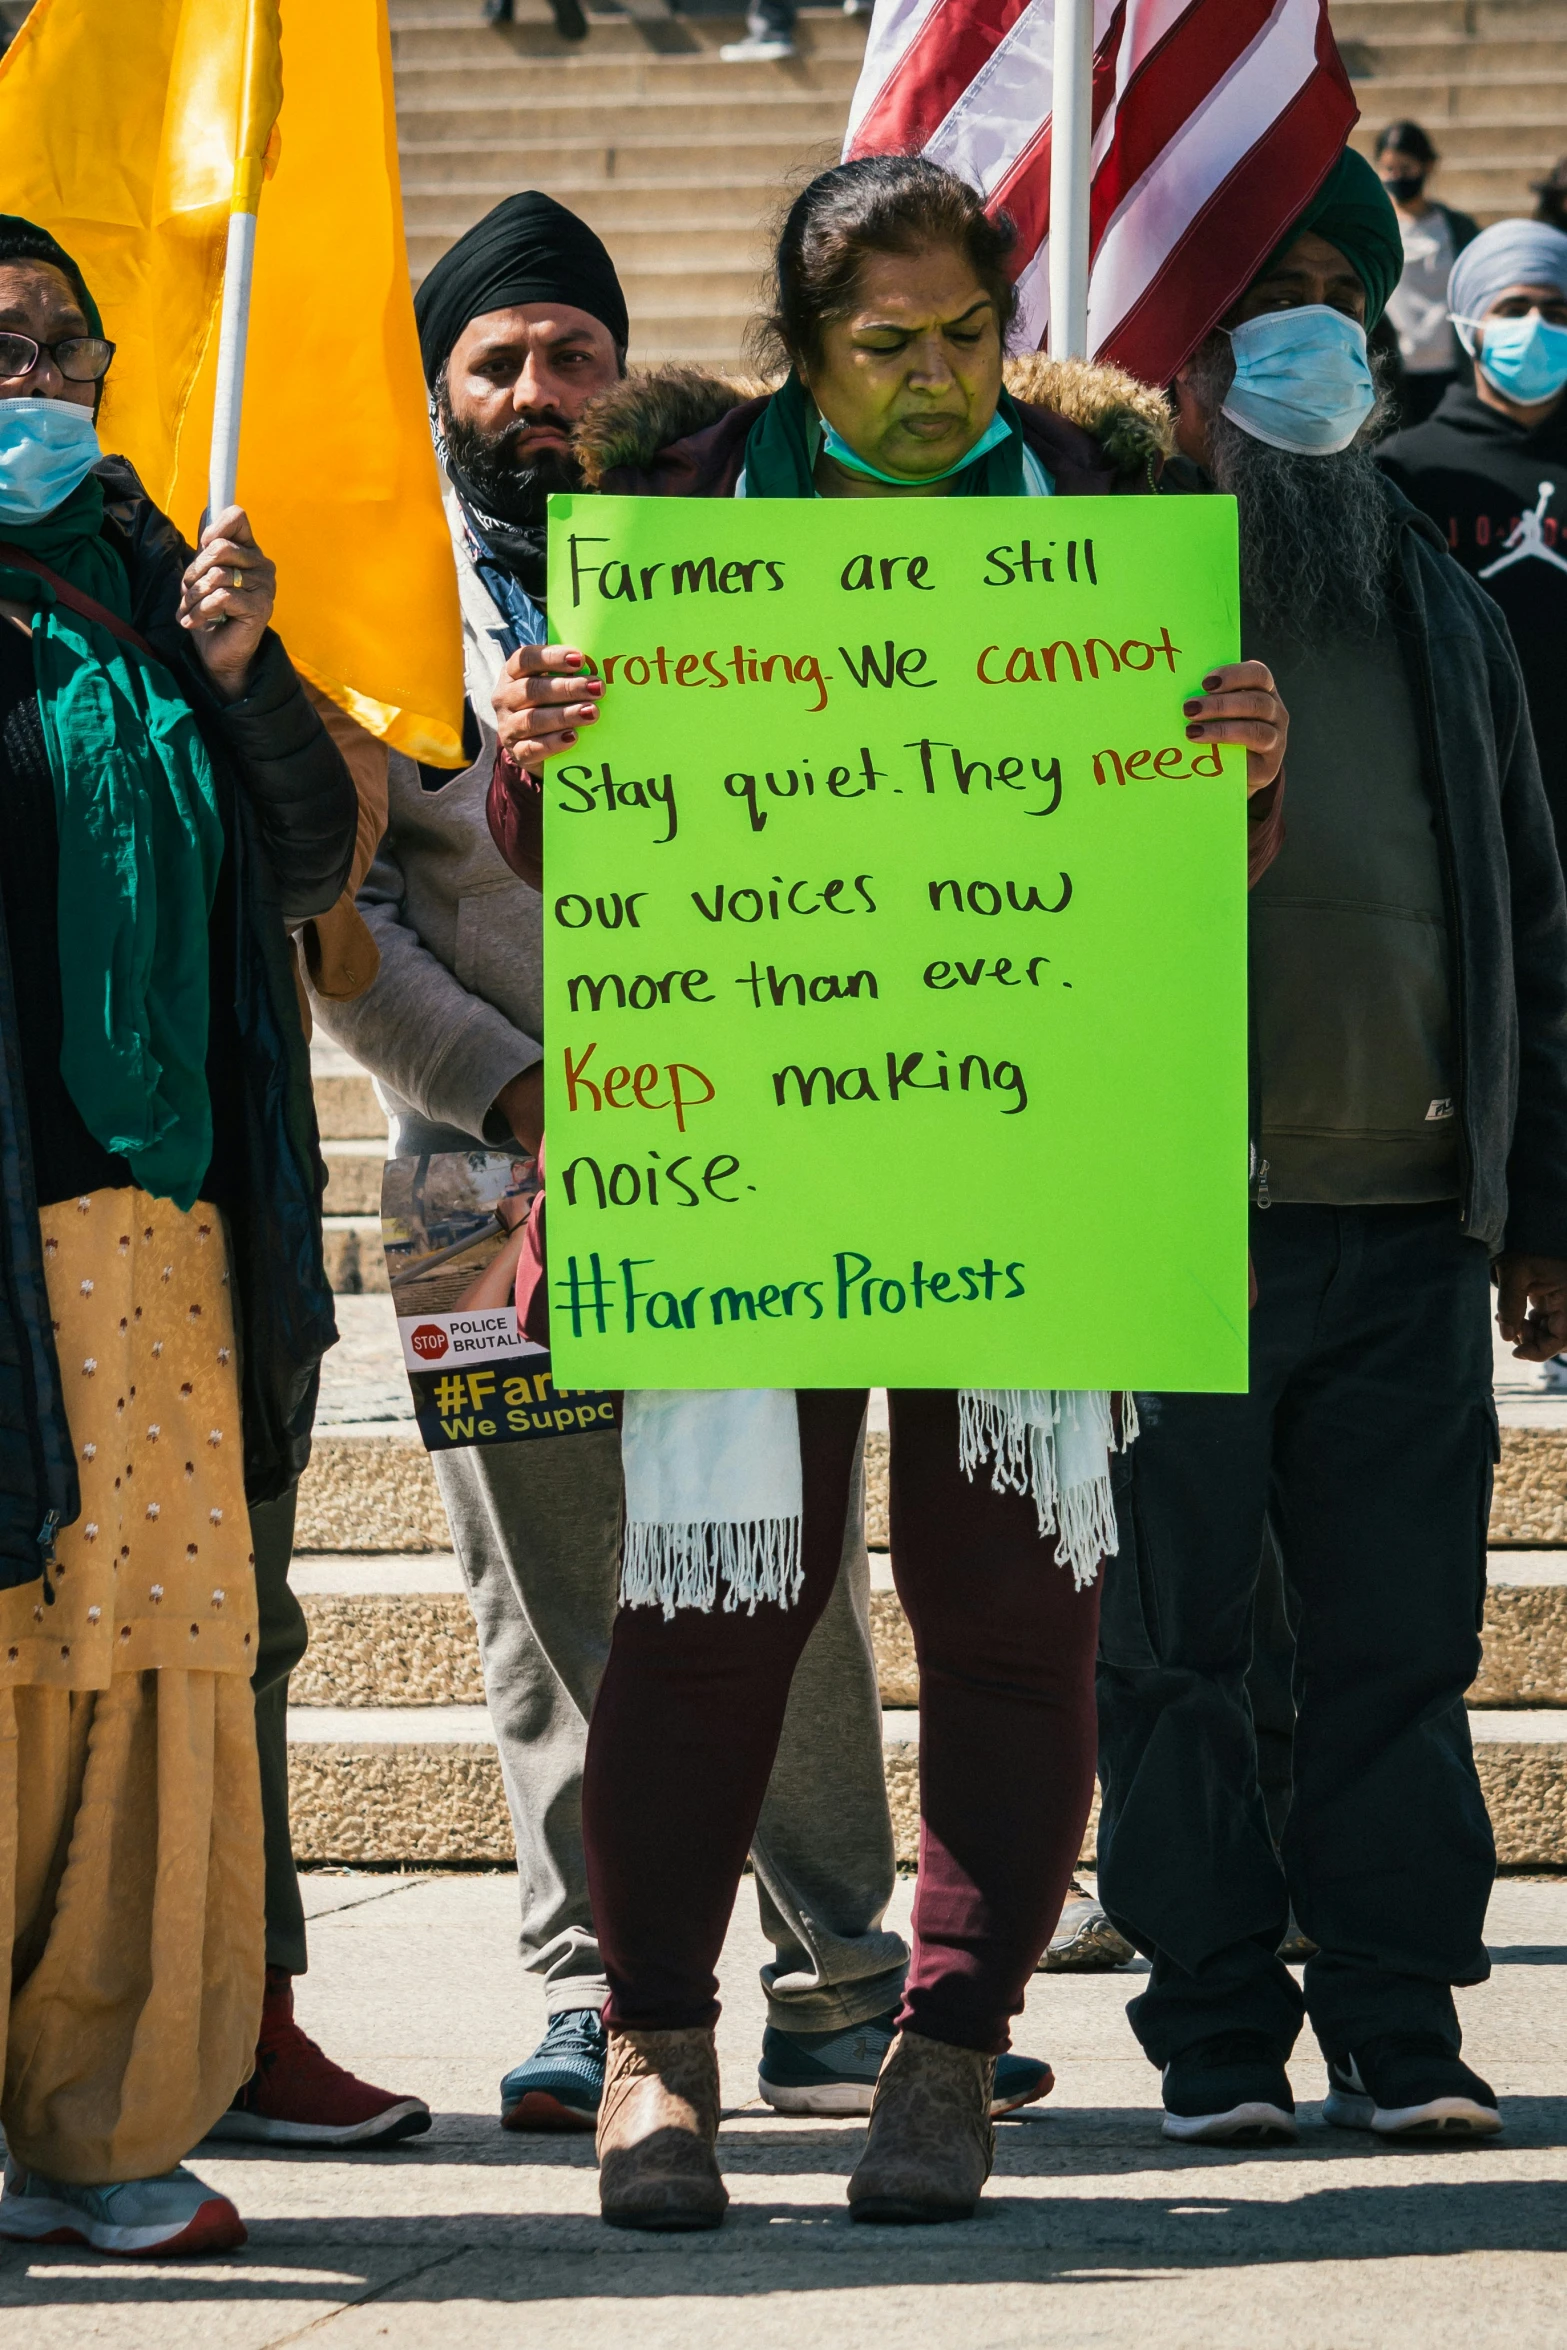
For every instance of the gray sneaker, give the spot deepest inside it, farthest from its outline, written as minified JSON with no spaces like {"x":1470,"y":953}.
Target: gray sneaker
{"x":1085,"y":1942}
{"x":173,"y":2214}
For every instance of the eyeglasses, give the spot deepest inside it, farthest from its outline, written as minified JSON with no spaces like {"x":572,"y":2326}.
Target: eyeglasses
{"x":81,"y":359}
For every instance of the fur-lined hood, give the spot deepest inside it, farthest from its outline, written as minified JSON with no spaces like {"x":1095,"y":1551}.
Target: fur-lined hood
{"x":627,"y":428}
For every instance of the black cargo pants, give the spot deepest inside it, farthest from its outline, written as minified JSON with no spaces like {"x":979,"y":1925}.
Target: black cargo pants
{"x":1369,"y":1435}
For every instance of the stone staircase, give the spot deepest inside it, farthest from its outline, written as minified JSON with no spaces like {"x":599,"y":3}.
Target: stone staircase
{"x":393,"y":1760}
{"x":1487,"y":78}
{"x":681,"y":162}
{"x":677,"y":159}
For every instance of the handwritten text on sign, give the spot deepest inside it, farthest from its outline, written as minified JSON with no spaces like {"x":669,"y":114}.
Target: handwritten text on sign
{"x":895,"y":947}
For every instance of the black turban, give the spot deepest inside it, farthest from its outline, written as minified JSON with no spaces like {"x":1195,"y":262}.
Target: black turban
{"x":529,"y":249}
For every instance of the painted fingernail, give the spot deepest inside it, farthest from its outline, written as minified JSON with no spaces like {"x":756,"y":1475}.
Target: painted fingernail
{"x":1191,"y":708}
{"x":1211,"y":685}
{"x":573,"y":660}
{"x":1194,"y":734}
{"x":569,"y":736}
{"x":587,"y":717}
{"x":594,"y":685}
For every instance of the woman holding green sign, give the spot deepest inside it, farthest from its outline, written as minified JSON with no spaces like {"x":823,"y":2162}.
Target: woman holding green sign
{"x":893,"y":309}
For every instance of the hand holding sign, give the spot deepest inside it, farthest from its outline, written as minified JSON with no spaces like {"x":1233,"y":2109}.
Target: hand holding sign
{"x":545,"y":696}
{"x":1238,"y":705}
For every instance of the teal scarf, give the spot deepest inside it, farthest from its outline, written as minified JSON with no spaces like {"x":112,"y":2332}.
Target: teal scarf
{"x":780,"y":452}
{"x":141,"y":842}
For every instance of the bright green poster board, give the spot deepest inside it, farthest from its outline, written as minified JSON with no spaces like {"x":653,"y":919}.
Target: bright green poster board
{"x":895,"y":948}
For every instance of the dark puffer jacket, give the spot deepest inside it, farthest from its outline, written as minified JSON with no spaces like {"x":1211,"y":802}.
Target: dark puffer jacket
{"x":289,"y":817}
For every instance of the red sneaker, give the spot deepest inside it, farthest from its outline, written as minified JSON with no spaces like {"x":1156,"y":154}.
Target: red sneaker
{"x":298,"y":2097}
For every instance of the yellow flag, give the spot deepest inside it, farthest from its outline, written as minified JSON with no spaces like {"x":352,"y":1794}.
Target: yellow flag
{"x":129,"y":128}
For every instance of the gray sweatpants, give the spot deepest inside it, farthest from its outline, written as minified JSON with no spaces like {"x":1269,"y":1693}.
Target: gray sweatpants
{"x":536,"y":1528}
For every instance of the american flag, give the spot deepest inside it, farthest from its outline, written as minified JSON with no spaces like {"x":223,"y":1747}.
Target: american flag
{"x":1215,"y":121}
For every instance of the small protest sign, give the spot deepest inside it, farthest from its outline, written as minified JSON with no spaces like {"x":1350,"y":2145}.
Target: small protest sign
{"x":451,"y":1226}
{"x":895,"y":947}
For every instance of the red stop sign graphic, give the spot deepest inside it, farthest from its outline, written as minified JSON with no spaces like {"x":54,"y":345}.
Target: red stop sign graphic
{"x":430,"y":1341}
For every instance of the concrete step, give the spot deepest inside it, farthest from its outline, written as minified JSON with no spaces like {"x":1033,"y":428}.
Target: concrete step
{"x":422,"y":1786}
{"x":615,"y":45}
{"x":686,"y":250}
{"x":618,"y":81}
{"x":650,"y":154}
{"x":616,"y":208}
{"x":1423,"y":53}
{"x":488,"y":119}
{"x":372,"y":1489}
{"x":398,"y":1631}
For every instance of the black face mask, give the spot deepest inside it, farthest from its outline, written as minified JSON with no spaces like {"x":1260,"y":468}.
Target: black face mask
{"x":1407,"y":187}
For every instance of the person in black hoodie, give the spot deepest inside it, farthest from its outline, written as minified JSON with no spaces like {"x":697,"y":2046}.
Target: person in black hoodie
{"x":1490,"y":467}
{"x":172,"y":803}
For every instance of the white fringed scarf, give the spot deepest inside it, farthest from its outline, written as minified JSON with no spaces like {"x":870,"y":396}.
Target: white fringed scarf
{"x":713,"y":1485}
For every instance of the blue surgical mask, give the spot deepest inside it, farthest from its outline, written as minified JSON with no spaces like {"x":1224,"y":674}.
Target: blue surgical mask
{"x":1302,"y":380}
{"x":839,"y":450}
{"x":1525,"y":359}
{"x":47,"y":449}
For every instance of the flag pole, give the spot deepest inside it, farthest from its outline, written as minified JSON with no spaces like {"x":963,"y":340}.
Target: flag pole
{"x":1071,"y":142}
{"x":239,"y":263}
{"x":233,"y":336}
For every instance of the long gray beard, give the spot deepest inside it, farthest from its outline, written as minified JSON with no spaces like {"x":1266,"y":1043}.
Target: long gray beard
{"x":1316,"y":533}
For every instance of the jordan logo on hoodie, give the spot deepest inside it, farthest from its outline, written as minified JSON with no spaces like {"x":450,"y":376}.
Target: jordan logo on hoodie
{"x":1527,"y":537}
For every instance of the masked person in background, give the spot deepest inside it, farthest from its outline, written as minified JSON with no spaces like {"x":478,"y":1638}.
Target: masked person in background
{"x":521,"y":324}
{"x":171,"y":802}
{"x":1433,"y":235}
{"x":1490,"y":468}
{"x":1409,"y":1024}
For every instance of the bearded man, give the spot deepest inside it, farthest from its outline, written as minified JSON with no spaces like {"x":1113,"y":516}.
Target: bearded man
{"x":520,"y":325}
{"x":1409,"y":1053}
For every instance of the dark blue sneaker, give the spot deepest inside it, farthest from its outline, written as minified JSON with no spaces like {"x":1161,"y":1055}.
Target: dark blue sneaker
{"x":559,"y":2087}
{"x":1230,"y":2090}
{"x":835,"y":2072}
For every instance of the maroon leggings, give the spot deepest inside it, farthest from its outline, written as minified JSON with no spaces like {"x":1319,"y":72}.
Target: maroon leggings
{"x":689,"y":1714}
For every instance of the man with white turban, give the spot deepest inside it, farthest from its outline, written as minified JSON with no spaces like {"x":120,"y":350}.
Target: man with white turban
{"x":1490,"y":466}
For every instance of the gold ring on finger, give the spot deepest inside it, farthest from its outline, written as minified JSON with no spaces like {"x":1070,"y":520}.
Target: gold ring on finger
{"x":238,"y":579}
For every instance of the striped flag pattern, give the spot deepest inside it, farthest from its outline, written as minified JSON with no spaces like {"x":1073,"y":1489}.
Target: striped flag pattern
{"x":1215,"y":121}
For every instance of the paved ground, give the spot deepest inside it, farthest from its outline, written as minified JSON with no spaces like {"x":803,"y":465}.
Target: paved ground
{"x":1093,"y":2232}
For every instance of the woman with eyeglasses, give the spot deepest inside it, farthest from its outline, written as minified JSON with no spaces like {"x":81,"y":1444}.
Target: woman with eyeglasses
{"x":170,"y":802}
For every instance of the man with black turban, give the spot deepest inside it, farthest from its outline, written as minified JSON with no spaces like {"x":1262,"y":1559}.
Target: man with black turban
{"x":1409,"y":1143}
{"x":520,"y":324}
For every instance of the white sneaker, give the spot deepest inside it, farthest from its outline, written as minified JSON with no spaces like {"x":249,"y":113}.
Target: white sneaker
{"x":751,"y":51}
{"x":176,"y":2213}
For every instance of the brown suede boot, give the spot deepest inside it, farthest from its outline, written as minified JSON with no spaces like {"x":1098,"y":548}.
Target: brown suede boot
{"x":658,"y":2132}
{"x":929,"y":2147}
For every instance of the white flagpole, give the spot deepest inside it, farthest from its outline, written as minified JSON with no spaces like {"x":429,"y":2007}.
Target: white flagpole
{"x":258,"y":85}
{"x":233,"y":335}
{"x":1071,"y":143}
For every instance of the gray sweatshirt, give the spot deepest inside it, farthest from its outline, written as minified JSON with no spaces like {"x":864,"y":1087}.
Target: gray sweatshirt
{"x":457,"y":1010}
